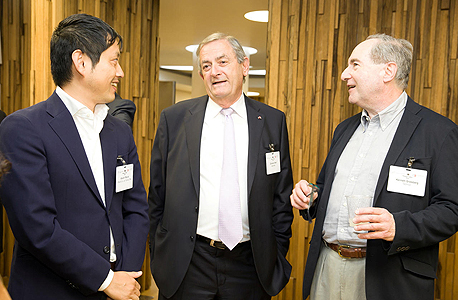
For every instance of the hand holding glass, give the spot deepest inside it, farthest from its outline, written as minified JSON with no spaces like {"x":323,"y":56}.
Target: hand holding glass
{"x":354,"y":202}
{"x":314,"y":189}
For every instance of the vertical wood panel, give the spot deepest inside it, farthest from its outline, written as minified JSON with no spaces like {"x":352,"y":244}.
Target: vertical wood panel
{"x":327,"y":32}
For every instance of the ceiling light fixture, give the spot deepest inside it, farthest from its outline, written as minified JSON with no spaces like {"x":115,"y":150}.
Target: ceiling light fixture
{"x":252,"y":94}
{"x":191,"y":48}
{"x":178,"y":68}
{"x":248,"y":50}
{"x":258,"y":16}
{"x":257,"y":72}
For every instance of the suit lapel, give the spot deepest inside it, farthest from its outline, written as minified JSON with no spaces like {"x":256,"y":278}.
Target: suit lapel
{"x":193,"y":123}
{"x":335,"y":152}
{"x":406,"y":128}
{"x":108,"y":142}
{"x":255,"y":121}
{"x":340,"y":144}
{"x":64,"y":126}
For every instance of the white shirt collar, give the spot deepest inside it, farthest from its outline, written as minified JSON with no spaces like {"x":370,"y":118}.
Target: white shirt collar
{"x":213,"y":109}
{"x":387,"y":115}
{"x":77,"y":108}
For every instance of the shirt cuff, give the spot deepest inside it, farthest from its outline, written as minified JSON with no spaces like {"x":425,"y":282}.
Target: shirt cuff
{"x":107,"y":281}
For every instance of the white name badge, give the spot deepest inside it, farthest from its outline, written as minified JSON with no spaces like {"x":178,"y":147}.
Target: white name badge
{"x":124,"y":177}
{"x":273,"y":162}
{"x":407,"y":181}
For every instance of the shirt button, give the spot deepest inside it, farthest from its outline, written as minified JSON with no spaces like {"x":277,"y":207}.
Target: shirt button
{"x":192,"y":238}
{"x":196,"y":208}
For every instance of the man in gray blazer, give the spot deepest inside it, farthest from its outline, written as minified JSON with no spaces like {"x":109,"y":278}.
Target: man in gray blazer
{"x":404,"y":157}
{"x":190,"y":259}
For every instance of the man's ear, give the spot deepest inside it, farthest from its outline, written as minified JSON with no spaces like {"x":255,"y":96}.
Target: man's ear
{"x":391,"y":69}
{"x":246,"y":66}
{"x":79,"y":61}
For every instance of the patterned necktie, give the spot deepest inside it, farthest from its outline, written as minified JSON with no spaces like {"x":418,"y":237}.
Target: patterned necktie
{"x":230,"y":217}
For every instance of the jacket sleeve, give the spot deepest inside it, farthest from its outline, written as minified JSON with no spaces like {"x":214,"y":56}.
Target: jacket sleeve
{"x":156,"y":195}
{"x":282,"y":210}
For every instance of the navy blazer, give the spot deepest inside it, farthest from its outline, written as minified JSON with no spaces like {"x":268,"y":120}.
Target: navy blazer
{"x":174,"y":193}
{"x":406,"y":267}
{"x":61,"y":226}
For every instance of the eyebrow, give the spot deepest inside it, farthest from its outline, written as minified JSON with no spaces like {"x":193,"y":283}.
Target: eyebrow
{"x":217,"y":58}
{"x":222,"y":56}
{"x":353,"y":60}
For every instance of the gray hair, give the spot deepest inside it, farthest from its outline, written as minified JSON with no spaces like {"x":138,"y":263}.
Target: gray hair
{"x":239,"y":53}
{"x":390,"y":49}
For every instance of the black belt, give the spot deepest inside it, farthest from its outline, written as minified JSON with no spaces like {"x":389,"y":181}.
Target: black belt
{"x":112,"y":265}
{"x":213,"y":243}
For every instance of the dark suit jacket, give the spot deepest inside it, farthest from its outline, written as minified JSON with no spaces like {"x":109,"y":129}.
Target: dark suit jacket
{"x":2,"y":116}
{"x":122,"y":109}
{"x":56,"y":213}
{"x":406,"y":267}
{"x":174,"y":193}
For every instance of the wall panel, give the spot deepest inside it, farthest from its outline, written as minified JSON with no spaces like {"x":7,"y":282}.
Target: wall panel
{"x":315,"y":46}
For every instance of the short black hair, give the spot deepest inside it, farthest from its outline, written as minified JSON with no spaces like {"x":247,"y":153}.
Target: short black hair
{"x":87,"y":33}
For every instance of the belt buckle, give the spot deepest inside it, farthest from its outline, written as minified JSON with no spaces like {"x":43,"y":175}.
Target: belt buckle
{"x":214,"y":245}
{"x":340,"y":248}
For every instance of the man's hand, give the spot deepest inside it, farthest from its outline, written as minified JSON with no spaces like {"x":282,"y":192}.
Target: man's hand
{"x":378,"y":221}
{"x":124,"y":286}
{"x":300,"y":197}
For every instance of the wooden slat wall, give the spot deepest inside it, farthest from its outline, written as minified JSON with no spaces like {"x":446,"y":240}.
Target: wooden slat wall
{"x":308,"y":44}
{"x":26,"y":79}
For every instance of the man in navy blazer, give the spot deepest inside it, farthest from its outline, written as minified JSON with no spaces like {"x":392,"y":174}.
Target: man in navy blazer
{"x":189,"y":260}
{"x":405,"y":157}
{"x":74,"y":196}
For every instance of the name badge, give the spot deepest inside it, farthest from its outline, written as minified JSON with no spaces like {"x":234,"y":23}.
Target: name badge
{"x":273,"y":162}
{"x":124,"y":177}
{"x":407,"y":181}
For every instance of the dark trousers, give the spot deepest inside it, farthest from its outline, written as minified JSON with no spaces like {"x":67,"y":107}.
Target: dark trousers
{"x":220,"y":275}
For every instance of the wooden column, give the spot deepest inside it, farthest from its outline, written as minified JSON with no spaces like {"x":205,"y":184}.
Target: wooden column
{"x":309,"y":42}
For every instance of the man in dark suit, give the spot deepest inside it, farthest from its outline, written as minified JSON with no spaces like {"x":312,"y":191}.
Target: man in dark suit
{"x":74,"y":196}
{"x":123,"y":109}
{"x":403,"y":156}
{"x":2,"y":116}
{"x":195,"y":252}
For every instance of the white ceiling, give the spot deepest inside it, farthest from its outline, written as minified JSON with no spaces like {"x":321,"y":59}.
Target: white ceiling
{"x":186,"y":22}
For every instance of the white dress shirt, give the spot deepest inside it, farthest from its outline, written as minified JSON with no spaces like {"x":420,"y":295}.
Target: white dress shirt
{"x":89,"y":124}
{"x":211,"y":160}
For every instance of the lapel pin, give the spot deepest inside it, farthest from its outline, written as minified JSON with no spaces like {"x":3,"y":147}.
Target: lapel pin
{"x":259,"y":117}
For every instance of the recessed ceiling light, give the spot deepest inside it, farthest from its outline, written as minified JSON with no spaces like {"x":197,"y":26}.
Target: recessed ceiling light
{"x":178,"y":68}
{"x":257,"y":72}
{"x":248,"y":50}
{"x":258,"y":16}
{"x":191,"y":48}
{"x":252,"y":94}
